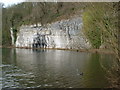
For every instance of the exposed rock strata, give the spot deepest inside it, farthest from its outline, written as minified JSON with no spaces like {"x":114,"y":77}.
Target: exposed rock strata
{"x":60,"y":34}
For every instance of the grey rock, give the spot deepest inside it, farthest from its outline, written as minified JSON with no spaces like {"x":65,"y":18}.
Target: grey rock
{"x":60,"y":34}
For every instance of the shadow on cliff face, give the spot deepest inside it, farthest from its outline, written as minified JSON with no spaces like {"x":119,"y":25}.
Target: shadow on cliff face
{"x":39,"y":41}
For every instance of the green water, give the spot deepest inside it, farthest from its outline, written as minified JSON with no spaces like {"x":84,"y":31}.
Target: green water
{"x":27,"y":68}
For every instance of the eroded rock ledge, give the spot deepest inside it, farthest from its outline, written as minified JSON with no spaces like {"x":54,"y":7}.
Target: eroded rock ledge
{"x":61,"y":34}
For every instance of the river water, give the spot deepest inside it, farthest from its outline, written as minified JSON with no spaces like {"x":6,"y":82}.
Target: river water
{"x":27,"y":68}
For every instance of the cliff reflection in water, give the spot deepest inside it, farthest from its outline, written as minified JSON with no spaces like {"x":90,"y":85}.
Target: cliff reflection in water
{"x":52,"y":68}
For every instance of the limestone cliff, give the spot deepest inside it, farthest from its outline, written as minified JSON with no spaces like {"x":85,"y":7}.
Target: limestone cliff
{"x":61,"y":34}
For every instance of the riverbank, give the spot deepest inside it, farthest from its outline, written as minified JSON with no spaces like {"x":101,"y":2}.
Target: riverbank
{"x":104,"y":51}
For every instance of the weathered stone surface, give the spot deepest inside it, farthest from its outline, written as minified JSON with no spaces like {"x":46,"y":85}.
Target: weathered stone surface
{"x":60,"y":34}
{"x":12,"y":36}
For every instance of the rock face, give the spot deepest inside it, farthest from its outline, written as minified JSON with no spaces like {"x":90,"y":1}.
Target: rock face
{"x":61,"y":34}
{"x":12,"y":36}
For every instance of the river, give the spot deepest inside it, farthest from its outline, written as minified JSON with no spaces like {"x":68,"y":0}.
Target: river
{"x":28,"y":68}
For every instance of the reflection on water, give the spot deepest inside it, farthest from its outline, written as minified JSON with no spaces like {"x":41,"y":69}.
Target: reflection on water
{"x":94,"y":72}
{"x":27,"y":68}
